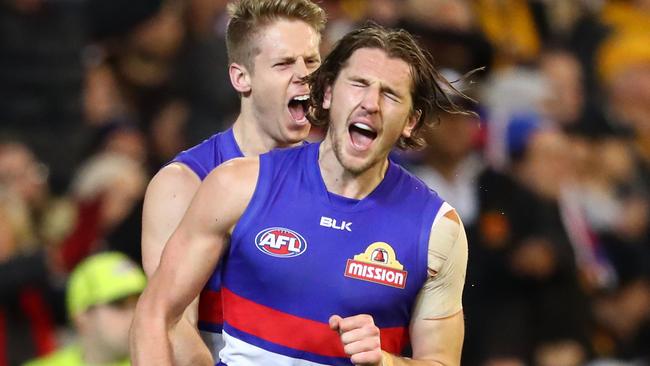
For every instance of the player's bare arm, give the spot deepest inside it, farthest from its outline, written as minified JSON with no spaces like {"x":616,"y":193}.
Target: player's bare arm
{"x":167,"y":198}
{"x":189,"y":258}
{"x":437,"y":325}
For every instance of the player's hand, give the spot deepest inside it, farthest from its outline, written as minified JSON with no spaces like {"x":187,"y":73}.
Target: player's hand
{"x":360,"y":338}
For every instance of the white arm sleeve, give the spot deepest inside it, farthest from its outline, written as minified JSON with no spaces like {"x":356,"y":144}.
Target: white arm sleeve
{"x":441,"y":295}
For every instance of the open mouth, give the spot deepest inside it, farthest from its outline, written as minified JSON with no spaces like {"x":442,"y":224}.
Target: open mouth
{"x":298,"y":107}
{"x":362,"y":135}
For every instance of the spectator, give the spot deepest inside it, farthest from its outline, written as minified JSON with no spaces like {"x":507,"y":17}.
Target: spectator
{"x":26,"y":318}
{"x":101,"y":295}
{"x":563,"y":73}
{"x":201,"y":75}
{"x":41,"y":72}
{"x":524,"y":260}
{"x":107,"y":189}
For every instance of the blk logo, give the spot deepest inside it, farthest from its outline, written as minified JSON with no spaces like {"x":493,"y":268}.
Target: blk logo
{"x":330,"y":222}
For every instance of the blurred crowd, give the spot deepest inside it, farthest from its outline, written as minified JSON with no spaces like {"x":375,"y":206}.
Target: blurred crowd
{"x":551,"y":176}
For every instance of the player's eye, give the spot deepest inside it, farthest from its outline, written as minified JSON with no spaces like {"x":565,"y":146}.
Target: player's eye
{"x":392,"y":97}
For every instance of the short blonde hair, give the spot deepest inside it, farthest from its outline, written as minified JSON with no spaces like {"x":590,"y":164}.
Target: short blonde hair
{"x":248,"y":17}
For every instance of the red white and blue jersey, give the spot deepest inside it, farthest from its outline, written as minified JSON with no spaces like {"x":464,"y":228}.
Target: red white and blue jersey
{"x":202,"y":159}
{"x":300,"y":254}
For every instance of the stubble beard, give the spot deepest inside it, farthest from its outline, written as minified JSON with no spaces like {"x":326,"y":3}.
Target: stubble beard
{"x":340,"y":156}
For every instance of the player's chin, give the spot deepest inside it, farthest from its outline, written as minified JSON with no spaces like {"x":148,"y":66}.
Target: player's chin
{"x":297,"y":133}
{"x":356,"y":164}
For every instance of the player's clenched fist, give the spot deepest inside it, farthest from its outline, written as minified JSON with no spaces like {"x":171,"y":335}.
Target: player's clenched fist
{"x":360,"y":338}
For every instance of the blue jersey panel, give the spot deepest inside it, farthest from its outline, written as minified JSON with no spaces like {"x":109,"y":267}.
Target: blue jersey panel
{"x":309,"y":254}
{"x":211,"y":153}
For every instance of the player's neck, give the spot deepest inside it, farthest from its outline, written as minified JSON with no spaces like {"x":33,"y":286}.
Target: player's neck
{"x":251,"y":139}
{"x":345,"y":183}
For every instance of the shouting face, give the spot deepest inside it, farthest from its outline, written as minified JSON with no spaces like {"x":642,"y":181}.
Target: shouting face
{"x":370,"y":107}
{"x":288,"y":51}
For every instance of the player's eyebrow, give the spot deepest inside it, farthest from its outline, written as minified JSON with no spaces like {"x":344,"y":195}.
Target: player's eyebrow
{"x":284,"y":59}
{"x":313,"y":56}
{"x":387,"y":89}
{"x":290,"y":59}
{"x":359,"y":79}
{"x":384,"y":88}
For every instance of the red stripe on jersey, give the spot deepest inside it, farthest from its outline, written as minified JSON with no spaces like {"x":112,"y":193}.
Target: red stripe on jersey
{"x":394,"y":340}
{"x":211,"y":306}
{"x":295,"y":332}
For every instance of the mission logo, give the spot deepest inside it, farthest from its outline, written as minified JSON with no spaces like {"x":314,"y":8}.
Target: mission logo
{"x":377,"y":264}
{"x":280,"y":242}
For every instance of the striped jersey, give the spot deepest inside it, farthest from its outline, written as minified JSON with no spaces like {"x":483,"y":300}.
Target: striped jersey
{"x":300,"y":254}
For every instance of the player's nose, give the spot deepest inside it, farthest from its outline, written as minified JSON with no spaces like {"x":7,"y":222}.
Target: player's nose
{"x":300,"y":70}
{"x":370,"y":101}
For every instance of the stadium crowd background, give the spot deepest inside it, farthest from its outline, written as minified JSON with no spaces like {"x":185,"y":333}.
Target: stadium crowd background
{"x":552,"y":181}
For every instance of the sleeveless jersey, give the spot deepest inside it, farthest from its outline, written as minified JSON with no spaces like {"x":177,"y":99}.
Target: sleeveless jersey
{"x":300,"y":254}
{"x":202,"y":159}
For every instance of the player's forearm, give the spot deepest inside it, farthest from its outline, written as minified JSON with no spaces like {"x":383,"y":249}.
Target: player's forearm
{"x":149,"y":343}
{"x":188,"y":347}
{"x":152,"y":322}
{"x":394,"y":360}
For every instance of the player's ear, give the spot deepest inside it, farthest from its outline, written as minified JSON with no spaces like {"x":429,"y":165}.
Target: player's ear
{"x":411,"y":122}
{"x":239,"y":77}
{"x":327,"y":97}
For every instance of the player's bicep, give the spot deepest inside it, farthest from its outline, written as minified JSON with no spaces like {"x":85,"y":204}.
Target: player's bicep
{"x":196,"y":246}
{"x":437,"y":327}
{"x":167,"y":198}
{"x":441,"y":295}
{"x":222,"y":198}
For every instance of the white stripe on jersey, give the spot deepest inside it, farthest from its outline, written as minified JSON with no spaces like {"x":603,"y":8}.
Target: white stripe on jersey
{"x":442,"y":211}
{"x":239,"y":353}
{"x":215,"y":343}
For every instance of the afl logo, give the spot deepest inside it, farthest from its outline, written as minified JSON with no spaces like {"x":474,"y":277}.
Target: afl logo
{"x":280,"y":242}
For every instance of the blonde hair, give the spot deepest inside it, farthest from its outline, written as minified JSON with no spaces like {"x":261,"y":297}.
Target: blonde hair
{"x":248,"y":17}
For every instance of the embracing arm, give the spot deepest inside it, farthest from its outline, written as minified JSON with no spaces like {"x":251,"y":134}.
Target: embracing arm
{"x":437,"y":325}
{"x":189,"y":258}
